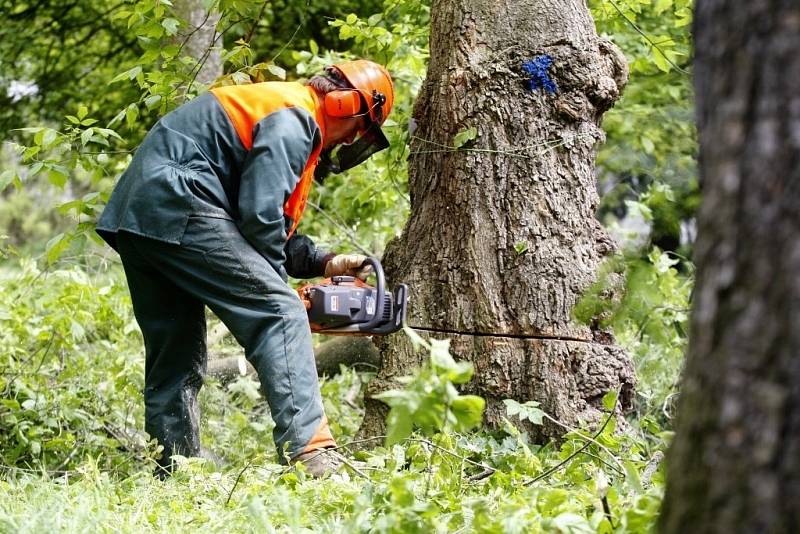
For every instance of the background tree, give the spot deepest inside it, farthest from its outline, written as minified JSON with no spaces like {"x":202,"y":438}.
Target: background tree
{"x":735,"y":462}
{"x":502,"y":237}
{"x":199,"y":38}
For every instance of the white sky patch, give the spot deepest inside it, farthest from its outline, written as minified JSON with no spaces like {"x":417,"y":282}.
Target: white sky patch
{"x":18,"y":90}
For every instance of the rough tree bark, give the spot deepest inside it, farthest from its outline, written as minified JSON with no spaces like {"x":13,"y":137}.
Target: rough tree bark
{"x":526,"y":181}
{"x":735,"y":463}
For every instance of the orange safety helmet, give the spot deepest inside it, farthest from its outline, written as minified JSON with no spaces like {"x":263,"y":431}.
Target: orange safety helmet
{"x":373,"y":83}
{"x":372,"y":86}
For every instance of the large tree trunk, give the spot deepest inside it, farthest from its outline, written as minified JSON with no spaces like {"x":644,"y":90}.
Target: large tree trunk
{"x":526,"y":181}
{"x":735,"y":462}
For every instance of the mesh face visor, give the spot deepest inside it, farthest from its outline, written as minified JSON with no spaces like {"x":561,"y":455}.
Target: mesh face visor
{"x":371,"y":141}
{"x":346,"y":157}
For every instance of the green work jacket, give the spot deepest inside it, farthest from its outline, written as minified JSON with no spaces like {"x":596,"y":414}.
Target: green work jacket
{"x":243,"y":153}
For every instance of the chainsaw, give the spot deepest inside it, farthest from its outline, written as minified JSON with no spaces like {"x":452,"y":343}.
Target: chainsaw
{"x":346,"y":306}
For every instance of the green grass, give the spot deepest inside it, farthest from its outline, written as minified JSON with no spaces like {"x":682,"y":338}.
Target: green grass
{"x":74,"y":458}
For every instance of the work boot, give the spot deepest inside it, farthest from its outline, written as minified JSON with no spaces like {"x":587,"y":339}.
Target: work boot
{"x":320,"y":462}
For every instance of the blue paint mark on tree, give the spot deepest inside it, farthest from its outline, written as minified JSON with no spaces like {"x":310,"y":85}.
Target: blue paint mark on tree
{"x":539,"y":79}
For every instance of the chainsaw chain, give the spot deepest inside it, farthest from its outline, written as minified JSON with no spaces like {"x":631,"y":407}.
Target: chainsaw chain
{"x":497,"y":334}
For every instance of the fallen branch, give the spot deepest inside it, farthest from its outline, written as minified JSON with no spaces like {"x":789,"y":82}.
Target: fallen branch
{"x":347,"y":351}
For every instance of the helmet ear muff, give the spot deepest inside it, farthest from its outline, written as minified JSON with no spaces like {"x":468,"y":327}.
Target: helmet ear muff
{"x":344,"y":103}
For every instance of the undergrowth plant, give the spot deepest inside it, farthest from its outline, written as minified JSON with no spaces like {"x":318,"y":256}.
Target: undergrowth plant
{"x":74,"y":457}
{"x":645,"y":301}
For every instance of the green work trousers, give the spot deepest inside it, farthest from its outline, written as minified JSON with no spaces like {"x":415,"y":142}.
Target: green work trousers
{"x":215,"y":266}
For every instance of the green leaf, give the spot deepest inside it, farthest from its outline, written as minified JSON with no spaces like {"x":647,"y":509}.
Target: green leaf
{"x":647,"y":145}
{"x":106,"y":132}
{"x":35,"y":168}
{"x":58,"y":176}
{"x":118,"y":117}
{"x":521,"y":247}
{"x":533,"y":414}
{"x":72,"y":205}
{"x":11,"y":404}
{"x":637,"y":207}
{"x":399,"y":425}
{"x":684,"y":18}
{"x":528,"y":411}
{"x":6,"y":177}
{"x":660,"y":60}
{"x":49,"y":136}
{"x":440,"y":354}
{"x":171,"y":25}
{"x":346,"y":32}
{"x":240,"y":78}
{"x":661,"y":6}
{"x":82,"y":112}
{"x":352,"y":18}
{"x":86,"y":136}
{"x":152,"y":101}
{"x":570,"y":523}
{"x":76,"y":331}
{"x":134,"y":72}
{"x":130,"y":74}
{"x":610,"y":400}
{"x":277,"y":71}
{"x":468,"y":411}
{"x":512,"y":407}
{"x":30,"y":152}
{"x":461,"y":373}
{"x":374,"y":19}
{"x":394,"y":397}
{"x":632,"y":479}
{"x":464,"y":137}
{"x":416,"y":339}
{"x":55,"y":247}
{"x":131,"y":114}
{"x":312,"y":45}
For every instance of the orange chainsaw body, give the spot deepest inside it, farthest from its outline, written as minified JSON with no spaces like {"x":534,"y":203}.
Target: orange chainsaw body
{"x":345,"y":305}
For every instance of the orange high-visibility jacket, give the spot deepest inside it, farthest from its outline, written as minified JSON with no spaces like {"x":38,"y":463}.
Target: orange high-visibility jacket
{"x":245,"y":153}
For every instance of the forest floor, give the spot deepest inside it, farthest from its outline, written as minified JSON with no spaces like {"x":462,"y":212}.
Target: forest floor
{"x":73,"y":459}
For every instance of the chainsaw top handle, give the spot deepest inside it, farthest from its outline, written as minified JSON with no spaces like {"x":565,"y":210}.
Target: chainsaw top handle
{"x":377,"y":324}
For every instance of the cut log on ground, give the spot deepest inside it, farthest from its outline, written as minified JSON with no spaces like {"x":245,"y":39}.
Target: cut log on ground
{"x":358,"y":352}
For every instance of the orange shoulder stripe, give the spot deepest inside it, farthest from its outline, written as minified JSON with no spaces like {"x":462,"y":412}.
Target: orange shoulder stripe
{"x":248,"y":104}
